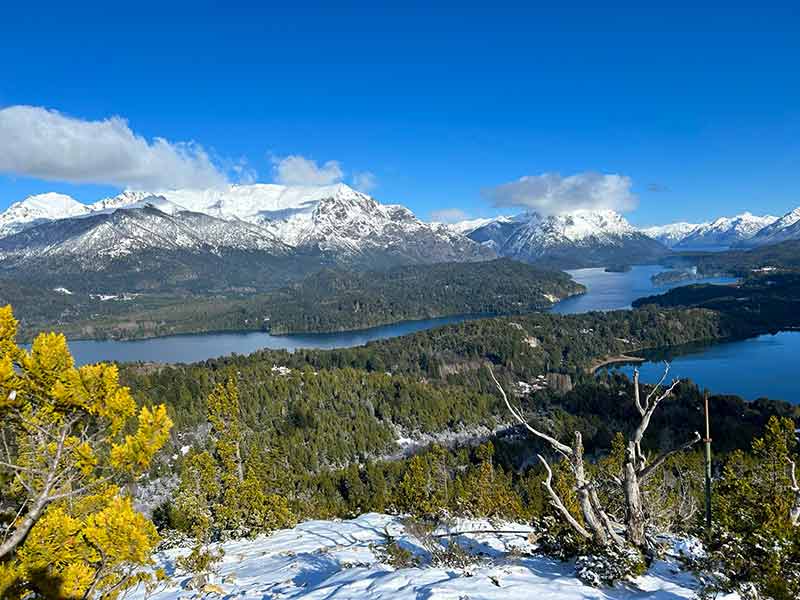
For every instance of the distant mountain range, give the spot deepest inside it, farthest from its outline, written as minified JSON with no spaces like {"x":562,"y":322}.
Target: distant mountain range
{"x":578,"y":239}
{"x":725,"y":232}
{"x":600,"y":237}
{"x":262,"y":233}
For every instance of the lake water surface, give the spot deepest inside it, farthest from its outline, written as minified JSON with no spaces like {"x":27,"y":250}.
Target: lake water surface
{"x":612,"y":291}
{"x":202,"y":346}
{"x":764,"y":366}
{"x":605,"y":291}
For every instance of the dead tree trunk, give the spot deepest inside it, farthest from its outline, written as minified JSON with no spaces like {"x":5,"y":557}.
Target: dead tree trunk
{"x":636,"y":467}
{"x":794,"y":513}
{"x":598,"y":527}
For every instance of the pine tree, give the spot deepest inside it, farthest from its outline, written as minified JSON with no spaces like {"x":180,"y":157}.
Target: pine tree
{"x":220,"y":491}
{"x":755,"y":542}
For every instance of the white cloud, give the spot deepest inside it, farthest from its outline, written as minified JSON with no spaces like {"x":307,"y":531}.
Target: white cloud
{"x":245,"y":174}
{"x":45,"y":144}
{"x":448,"y":215}
{"x":365,"y":181}
{"x":298,"y":170}
{"x":550,"y":193}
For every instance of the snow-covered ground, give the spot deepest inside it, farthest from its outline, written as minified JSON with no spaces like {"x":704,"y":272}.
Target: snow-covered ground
{"x":338,"y":559}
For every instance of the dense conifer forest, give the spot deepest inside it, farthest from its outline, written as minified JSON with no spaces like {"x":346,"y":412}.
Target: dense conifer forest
{"x":329,"y":300}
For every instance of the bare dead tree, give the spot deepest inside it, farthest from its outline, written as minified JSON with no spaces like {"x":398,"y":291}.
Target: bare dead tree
{"x":598,"y":527}
{"x":637,"y":469}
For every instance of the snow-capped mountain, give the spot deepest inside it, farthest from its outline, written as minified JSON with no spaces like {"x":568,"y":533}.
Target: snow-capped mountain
{"x":725,"y":232}
{"x":335,"y":224}
{"x":39,"y":209}
{"x":780,"y":230}
{"x":671,"y":234}
{"x":468,"y":226}
{"x":496,"y":231}
{"x":577,"y":239}
{"x":335,"y":219}
{"x":108,"y":234}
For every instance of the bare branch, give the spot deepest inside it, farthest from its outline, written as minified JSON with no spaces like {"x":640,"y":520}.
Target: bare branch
{"x":657,"y":386}
{"x":19,"y":469}
{"x":648,"y":413}
{"x":646,"y":471}
{"x":80,"y":490}
{"x":563,"y":448}
{"x":636,"y":395}
{"x":793,"y":475}
{"x":609,"y":525}
{"x":558,"y":504}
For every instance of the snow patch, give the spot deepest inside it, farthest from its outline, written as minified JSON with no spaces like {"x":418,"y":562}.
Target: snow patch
{"x":338,"y":559}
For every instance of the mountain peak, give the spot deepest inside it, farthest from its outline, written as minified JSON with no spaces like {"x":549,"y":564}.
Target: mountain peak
{"x":720,"y":233}
{"x":341,"y":223}
{"x":575,"y":239}
{"x":50,"y":206}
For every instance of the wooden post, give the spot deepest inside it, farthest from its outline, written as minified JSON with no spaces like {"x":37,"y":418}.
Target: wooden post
{"x":707,"y":441}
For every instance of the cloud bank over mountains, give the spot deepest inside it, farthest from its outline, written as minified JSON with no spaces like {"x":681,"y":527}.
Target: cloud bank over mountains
{"x":298,"y":170}
{"x":46,"y":144}
{"x":552,"y":194}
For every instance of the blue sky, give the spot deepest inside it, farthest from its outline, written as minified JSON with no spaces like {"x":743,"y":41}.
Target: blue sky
{"x":696,"y":108}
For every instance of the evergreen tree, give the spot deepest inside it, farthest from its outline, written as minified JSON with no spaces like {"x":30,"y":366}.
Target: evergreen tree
{"x":220,"y":492}
{"x":755,"y":546}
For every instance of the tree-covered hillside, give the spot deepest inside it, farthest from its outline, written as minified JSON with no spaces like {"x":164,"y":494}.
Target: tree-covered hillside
{"x":767,"y":301}
{"x":785,"y":255}
{"x":329,"y":300}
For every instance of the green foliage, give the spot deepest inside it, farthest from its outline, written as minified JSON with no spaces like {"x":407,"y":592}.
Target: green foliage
{"x":68,"y":435}
{"x":219,"y":493}
{"x":754,"y":545}
{"x":763,"y":302}
{"x":417,"y":493}
{"x":90,"y":548}
{"x":609,"y":565}
{"x":333,"y":299}
{"x":395,"y":555}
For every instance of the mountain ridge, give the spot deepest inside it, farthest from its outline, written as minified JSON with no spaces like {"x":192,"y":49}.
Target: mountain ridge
{"x":584,"y":238}
{"x":264,"y":223}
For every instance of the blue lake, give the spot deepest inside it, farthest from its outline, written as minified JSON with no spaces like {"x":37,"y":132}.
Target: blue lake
{"x":193,"y":348}
{"x":764,"y":366}
{"x":612,"y":291}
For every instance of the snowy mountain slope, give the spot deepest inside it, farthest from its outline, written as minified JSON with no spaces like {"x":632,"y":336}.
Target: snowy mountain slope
{"x":577,"y":239}
{"x":468,"y":226}
{"x":495,"y":233}
{"x":310,"y":227}
{"x":39,"y":209}
{"x":780,"y":230}
{"x":671,"y":234}
{"x":341,"y":559}
{"x":725,"y":231}
{"x":335,"y":219}
{"x":105,"y":235}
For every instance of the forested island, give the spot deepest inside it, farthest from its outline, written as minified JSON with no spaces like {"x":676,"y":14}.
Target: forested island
{"x":766,"y":301}
{"x":328,"y":301}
